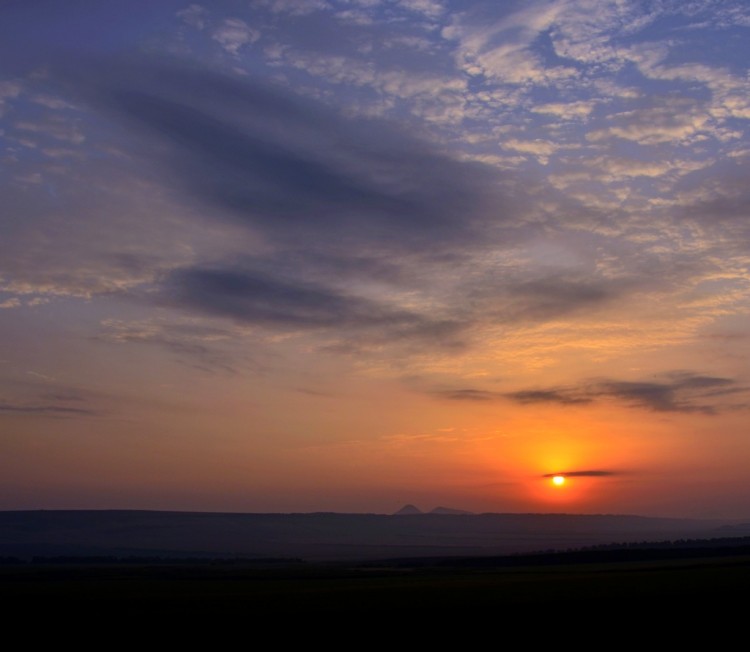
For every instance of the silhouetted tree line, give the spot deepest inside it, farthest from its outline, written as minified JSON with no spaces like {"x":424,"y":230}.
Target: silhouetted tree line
{"x":600,"y":553}
{"x":677,"y":543}
{"x":618,"y":552}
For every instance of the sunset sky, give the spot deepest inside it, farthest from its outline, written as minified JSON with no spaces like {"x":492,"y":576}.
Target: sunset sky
{"x":342,"y":255}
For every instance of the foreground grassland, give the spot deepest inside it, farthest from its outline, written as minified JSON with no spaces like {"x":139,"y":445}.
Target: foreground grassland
{"x":210,"y":590}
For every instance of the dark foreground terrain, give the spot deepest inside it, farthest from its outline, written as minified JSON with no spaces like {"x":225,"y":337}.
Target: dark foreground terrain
{"x":220,"y":591}
{"x":68,"y":574}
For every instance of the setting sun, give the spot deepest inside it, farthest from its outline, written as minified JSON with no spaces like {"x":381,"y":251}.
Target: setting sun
{"x":558,"y":480}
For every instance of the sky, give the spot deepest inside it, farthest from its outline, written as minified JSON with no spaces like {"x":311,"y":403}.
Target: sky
{"x":343,"y":255}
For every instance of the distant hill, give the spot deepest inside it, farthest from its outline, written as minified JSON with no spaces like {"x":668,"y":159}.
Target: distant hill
{"x":738,"y":529}
{"x":448,"y":510}
{"x":324,"y":536}
{"x":410,"y":509}
{"x":407,"y":510}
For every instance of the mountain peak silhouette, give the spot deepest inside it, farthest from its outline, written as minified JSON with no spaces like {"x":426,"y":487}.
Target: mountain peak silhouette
{"x":408,"y":510}
{"x":448,"y":510}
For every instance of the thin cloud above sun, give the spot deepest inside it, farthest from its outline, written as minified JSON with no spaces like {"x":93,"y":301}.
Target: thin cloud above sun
{"x":581,"y":474}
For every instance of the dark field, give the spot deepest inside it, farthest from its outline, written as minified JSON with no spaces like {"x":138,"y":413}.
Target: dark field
{"x":180,"y":572}
{"x":221,"y":590}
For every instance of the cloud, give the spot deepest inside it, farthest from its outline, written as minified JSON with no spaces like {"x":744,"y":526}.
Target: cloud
{"x":589,"y":31}
{"x":40,"y":395}
{"x":436,"y":95}
{"x":253,"y":297}
{"x":88,"y":256}
{"x":569,"y":111}
{"x":721,"y":200}
{"x":729,"y":93}
{"x":673,"y":120}
{"x":582,"y":474}
{"x":562,"y":396}
{"x":550,"y":296}
{"x":542,"y":149}
{"x":55,"y":127}
{"x":506,"y":46}
{"x":295,"y":7}
{"x":337,"y":205}
{"x":45,"y":410}
{"x":9,"y":90}
{"x":617,"y":168}
{"x":290,"y":166}
{"x":234,"y":33}
{"x":680,"y":392}
{"x":64,"y":395}
{"x":194,"y":344}
{"x":194,"y":15}
{"x":465,"y":395}
{"x":295,"y":174}
{"x":429,"y":8}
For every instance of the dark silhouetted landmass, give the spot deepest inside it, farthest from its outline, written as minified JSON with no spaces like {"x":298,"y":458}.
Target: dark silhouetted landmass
{"x":322,"y":536}
{"x":177,"y":570}
{"x":536,"y":589}
{"x":448,"y":510}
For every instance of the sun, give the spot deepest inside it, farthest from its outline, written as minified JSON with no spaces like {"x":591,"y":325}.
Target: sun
{"x":558,"y":480}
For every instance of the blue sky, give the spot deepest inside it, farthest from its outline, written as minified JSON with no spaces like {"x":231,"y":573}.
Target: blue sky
{"x":343,"y":255}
